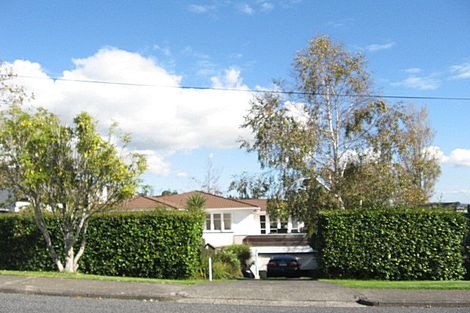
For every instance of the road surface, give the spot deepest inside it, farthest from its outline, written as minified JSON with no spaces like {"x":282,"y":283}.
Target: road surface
{"x":16,"y":303}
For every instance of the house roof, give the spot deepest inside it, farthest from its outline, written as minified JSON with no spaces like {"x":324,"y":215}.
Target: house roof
{"x":261,"y":203}
{"x":140,"y":202}
{"x":179,"y":201}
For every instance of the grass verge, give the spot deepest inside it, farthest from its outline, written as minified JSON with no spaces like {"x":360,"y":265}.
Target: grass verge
{"x":418,"y":284}
{"x":98,"y":277}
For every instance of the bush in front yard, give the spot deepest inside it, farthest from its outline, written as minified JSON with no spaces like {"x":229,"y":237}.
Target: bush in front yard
{"x":242,"y":252}
{"x":395,"y":244}
{"x":225,"y":263}
{"x":155,"y":244}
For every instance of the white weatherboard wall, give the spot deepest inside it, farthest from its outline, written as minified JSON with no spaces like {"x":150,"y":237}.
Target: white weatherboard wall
{"x":245,"y":221}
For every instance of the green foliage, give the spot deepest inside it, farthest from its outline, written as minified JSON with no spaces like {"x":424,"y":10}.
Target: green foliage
{"x":223,"y":270}
{"x":21,"y":244}
{"x":71,"y":170}
{"x":467,"y":251}
{"x":242,"y":252}
{"x":196,"y":203}
{"x":226,"y":263}
{"x":169,"y":192}
{"x":154,"y":245}
{"x":334,"y":145}
{"x":251,"y":186}
{"x":230,"y":262}
{"x":395,"y":244}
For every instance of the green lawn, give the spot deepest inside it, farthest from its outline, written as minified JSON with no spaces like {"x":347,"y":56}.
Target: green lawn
{"x":419,"y":284}
{"x":97,"y":277}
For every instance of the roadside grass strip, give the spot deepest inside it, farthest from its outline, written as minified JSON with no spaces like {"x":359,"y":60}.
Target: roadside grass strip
{"x":418,"y":284}
{"x":98,"y":277}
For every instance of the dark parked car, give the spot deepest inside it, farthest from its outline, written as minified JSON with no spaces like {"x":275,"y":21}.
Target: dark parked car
{"x":283,"y":266}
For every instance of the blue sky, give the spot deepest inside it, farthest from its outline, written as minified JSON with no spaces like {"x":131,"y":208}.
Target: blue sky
{"x":418,"y":48}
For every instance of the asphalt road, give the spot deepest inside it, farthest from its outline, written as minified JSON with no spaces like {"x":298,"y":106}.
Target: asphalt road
{"x":15,"y":303}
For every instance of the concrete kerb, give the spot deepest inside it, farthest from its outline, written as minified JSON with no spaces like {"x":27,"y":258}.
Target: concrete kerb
{"x":80,"y":294}
{"x":91,"y":288}
{"x":425,"y":304}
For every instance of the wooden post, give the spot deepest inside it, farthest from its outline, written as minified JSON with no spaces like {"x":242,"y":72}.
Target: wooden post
{"x":210,"y":268}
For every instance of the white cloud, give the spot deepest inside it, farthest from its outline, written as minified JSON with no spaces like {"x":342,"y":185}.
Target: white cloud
{"x":461,"y":71}
{"x":246,"y":9}
{"x":342,"y":23}
{"x":201,"y":8}
{"x":231,"y":79}
{"x":377,"y":47}
{"x":413,"y":70}
{"x":163,"y":49}
{"x":458,"y":191}
{"x":162,"y":120}
{"x":182,"y":174}
{"x":155,"y":162}
{"x":419,"y":82}
{"x":296,"y":110}
{"x":457,"y":157}
{"x":266,"y":6}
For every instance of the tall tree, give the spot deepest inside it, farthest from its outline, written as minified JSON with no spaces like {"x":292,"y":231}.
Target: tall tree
{"x":249,"y":186}
{"x":70,"y":171}
{"x":420,"y":163}
{"x":333,"y":128}
{"x":210,"y":182}
{"x":145,"y":190}
{"x":169,"y":192}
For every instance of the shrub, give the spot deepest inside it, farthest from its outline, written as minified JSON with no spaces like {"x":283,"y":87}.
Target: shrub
{"x":222,"y":270}
{"x":156,"y":244}
{"x":230,"y":259}
{"x":242,"y":252}
{"x":396,"y":244}
{"x":225,"y":264}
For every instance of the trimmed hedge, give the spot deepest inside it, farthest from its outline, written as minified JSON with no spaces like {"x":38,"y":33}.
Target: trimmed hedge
{"x":156,"y":244}
{"x":395,"y":244}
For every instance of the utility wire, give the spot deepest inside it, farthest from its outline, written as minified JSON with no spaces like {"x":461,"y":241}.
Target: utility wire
{"x":102,"y":82}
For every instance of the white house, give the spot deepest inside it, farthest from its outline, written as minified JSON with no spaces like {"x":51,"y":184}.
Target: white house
{"x":234,"y":221}
{"x":8,"y":203}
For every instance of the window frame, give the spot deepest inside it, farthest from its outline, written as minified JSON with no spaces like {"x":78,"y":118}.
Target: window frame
{"x":222,"y":220}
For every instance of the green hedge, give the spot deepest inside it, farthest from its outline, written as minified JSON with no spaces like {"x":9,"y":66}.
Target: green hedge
{"x":157,"y":244}
{"x":395,"y":244}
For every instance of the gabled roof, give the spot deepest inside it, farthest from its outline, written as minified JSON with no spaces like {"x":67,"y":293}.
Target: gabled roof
{"x":140,"y":202}
{"x":179,"y":201}
{"x":261,"y":203}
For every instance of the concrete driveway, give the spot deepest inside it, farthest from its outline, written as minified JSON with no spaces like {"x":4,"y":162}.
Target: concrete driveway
{"x":273,"y":292}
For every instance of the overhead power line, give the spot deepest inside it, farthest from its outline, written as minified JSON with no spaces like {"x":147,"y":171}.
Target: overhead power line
{"x":102,"y":82}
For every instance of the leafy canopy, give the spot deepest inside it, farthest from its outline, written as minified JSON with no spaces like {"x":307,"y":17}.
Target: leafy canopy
{"x":334,"y":145}
{"x":70,"y":171}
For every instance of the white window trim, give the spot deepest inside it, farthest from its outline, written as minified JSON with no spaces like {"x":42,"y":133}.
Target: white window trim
{"x":277,"y":222}
{"x":222,"y":223}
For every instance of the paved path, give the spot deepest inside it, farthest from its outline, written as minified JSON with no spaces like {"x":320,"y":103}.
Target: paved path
{"x":273,"y":292}
{"x":288,"y":292}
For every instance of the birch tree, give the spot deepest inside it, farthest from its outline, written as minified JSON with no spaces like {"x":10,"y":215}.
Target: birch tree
{"x":308,"y":136}
{"x":313,"y":136}
{"x":69,"y":171}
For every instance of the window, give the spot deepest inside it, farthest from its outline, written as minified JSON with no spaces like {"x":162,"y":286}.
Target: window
{"x":262,"y":222}
{"x":273,"y":226}
{"x":208,"y":222}
{"x":218,"y":221}
{"x":282,"y":227}
{"x":295,"y":226}
{"x":227,"y":221}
